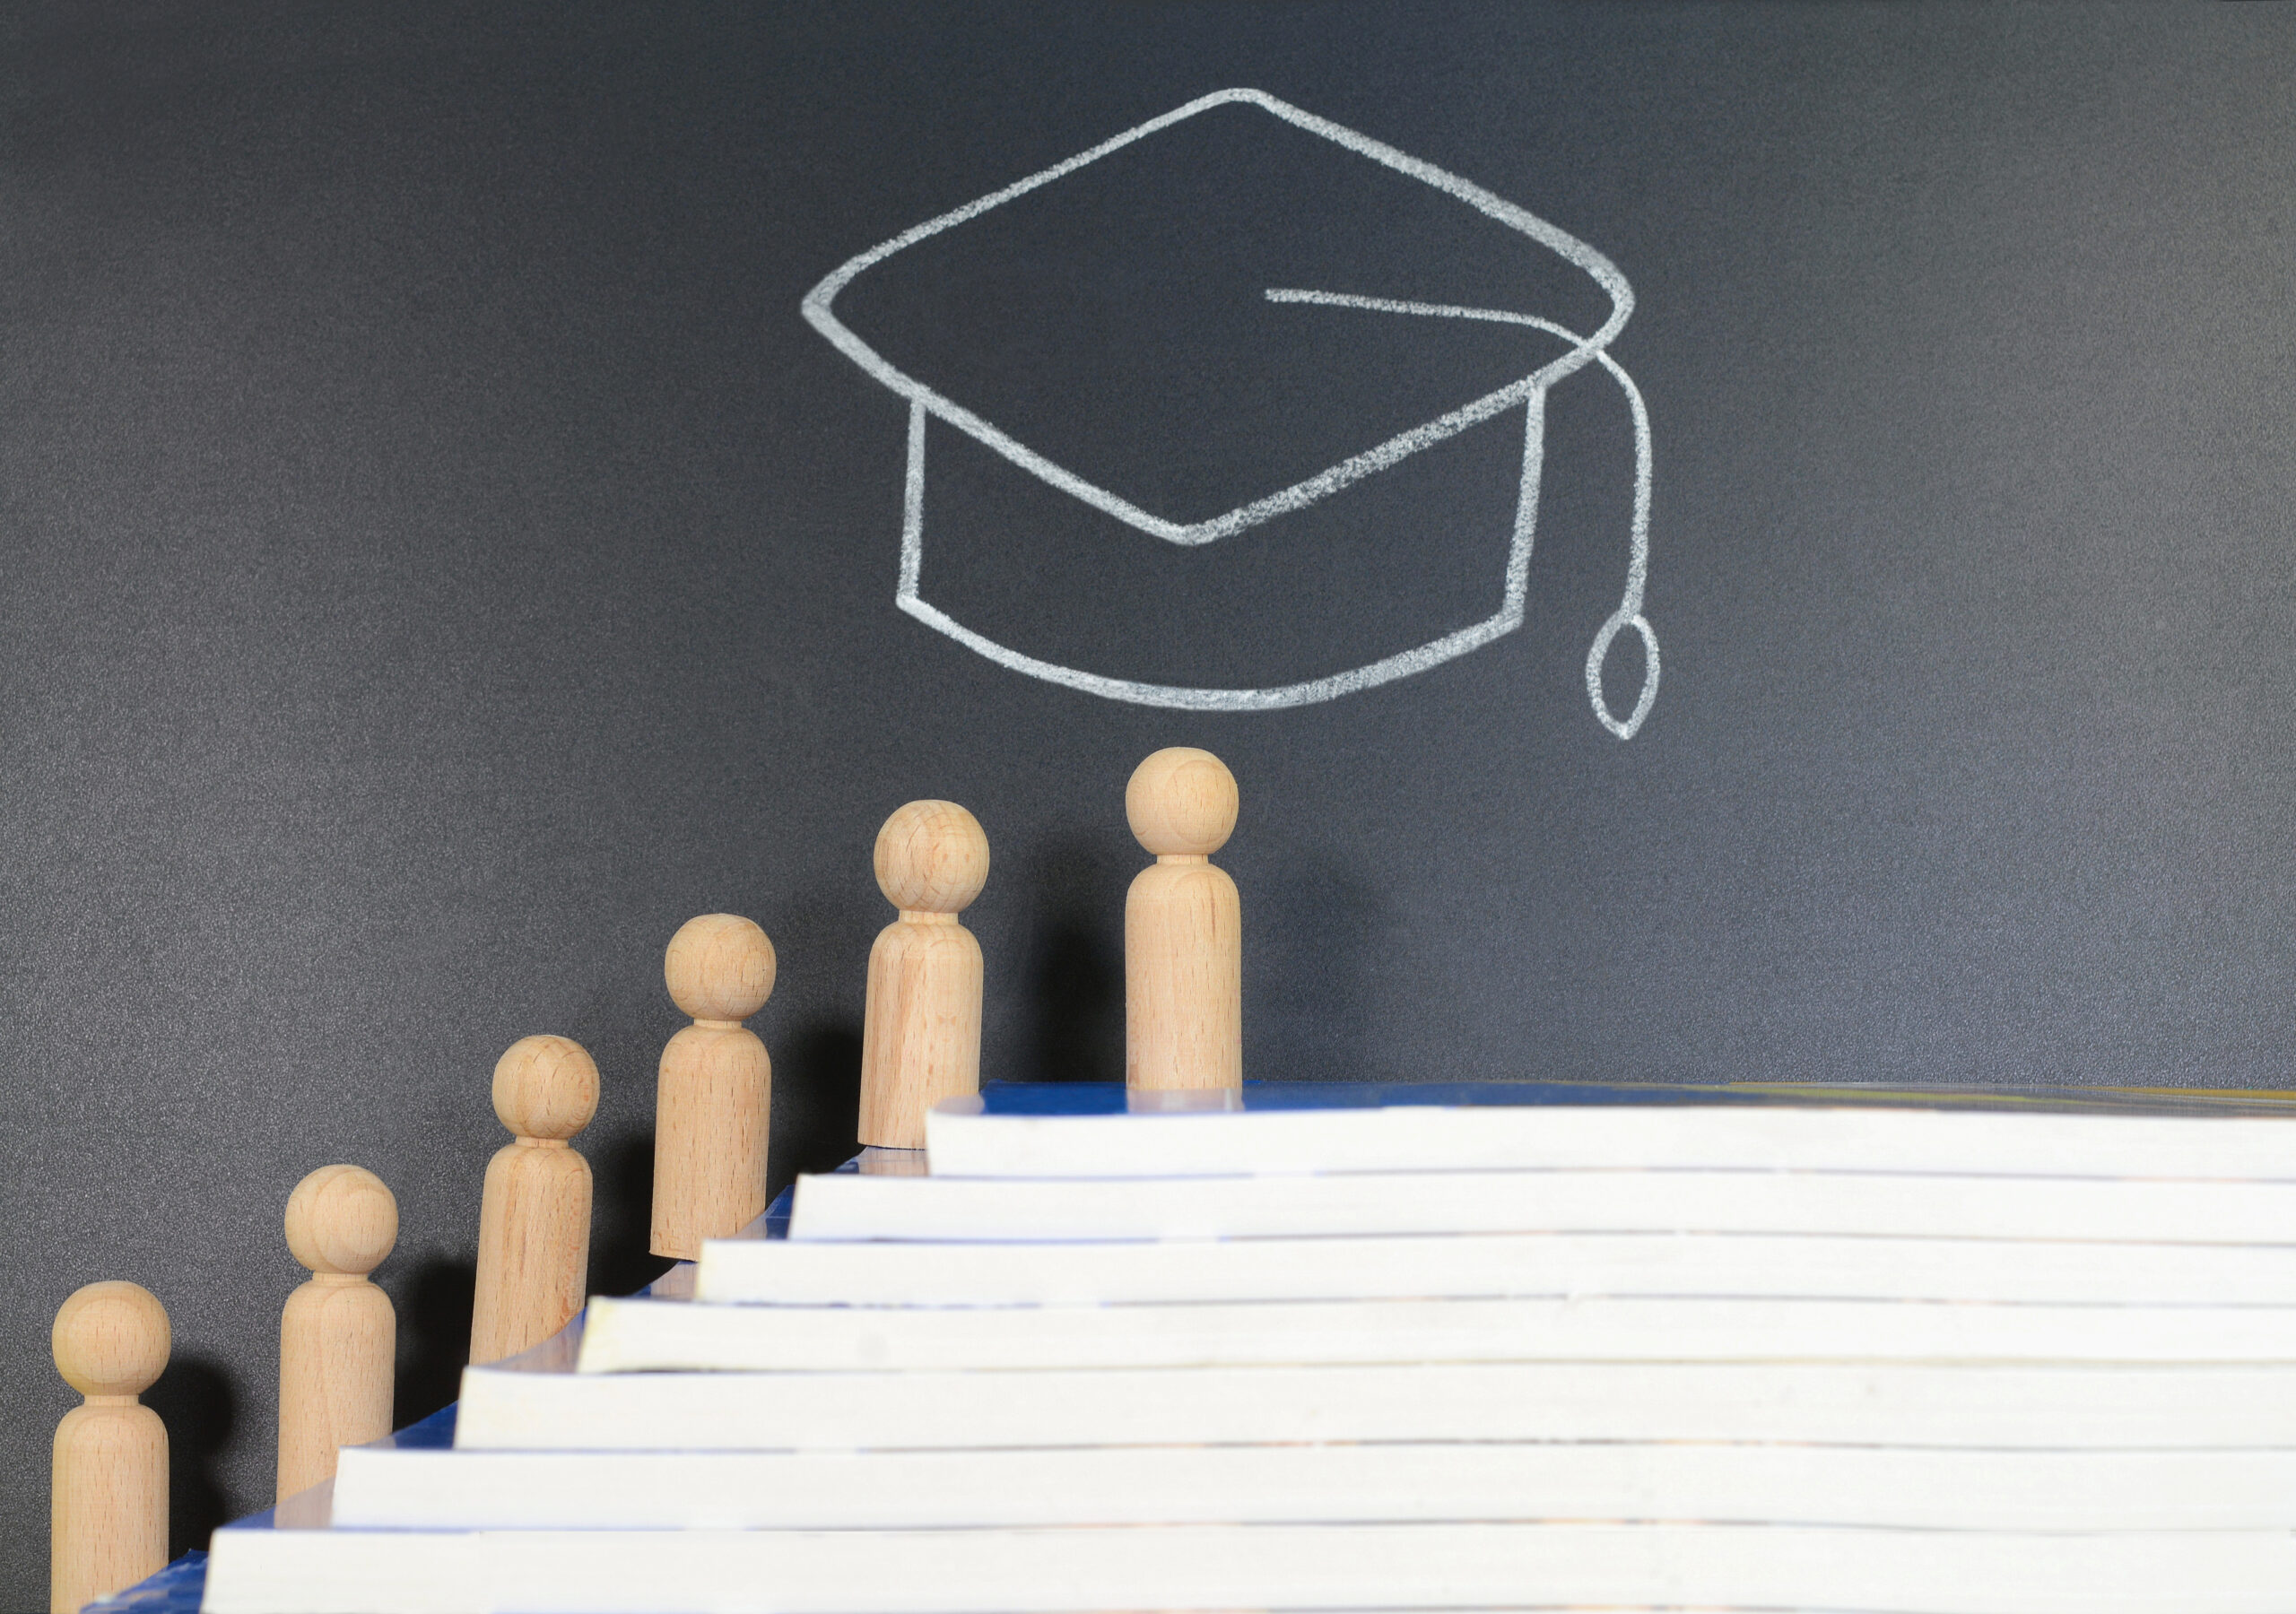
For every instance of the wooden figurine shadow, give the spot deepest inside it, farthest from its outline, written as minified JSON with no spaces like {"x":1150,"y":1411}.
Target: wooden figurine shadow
{"x":198,"y":1401}
{"x":816,"y":1100}
{"x":1072,"y":966}
{"x":1313,"y":989}
{"x":434,"y":1302}
{"x":622,"y":1259}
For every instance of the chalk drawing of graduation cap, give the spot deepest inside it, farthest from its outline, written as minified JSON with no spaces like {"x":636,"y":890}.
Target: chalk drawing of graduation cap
{"x":1525,"y":392}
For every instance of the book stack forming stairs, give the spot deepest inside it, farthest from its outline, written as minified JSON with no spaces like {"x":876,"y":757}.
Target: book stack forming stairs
{"x":1837,"y":1356}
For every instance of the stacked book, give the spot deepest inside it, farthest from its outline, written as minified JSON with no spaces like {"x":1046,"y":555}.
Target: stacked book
{"x":1746,"y":1356}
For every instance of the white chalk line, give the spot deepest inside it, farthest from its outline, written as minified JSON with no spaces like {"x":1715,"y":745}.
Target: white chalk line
{"x":817,"y":310}
{"x":912,"y":507}
{"x":1637,"y":563}
{"x":1402,"y":664}
{"x":1530,"y":391}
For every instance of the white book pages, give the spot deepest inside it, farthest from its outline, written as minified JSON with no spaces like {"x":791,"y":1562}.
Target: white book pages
{"x":1852,"y":1485}
{"x":1275,"y":1566}
{"x":2006,"y":1406}
{"x":804,"y":1271}
{"x":846,"y":1205}
{"x":1585,"y":1137}
{"x":636,"y":1335}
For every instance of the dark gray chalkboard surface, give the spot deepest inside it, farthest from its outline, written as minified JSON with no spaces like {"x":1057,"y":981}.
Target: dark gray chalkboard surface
{"x":438,"y":555}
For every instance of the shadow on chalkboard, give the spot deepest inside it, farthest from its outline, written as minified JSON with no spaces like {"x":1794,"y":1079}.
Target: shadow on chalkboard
{"x":622,"y":1217}
{"x":816,"y":1101}
{"x":433,"y":1336}
{"x":1073,"y":976}
{"x":1313,"y":1018}
{"x":199,"y":1403}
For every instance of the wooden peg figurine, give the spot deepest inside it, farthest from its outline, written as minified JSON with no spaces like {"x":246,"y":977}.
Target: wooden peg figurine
{"x":338,"y":1336}
{"x":1183,"y":929}
{"x":715,"y":1093}
{"x":920,"y":1042}
{"x":533,"y":1225}
{"x":108,"y":1510}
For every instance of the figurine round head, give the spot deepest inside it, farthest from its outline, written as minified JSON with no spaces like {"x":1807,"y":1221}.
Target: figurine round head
{"x":1181,"y":802}
{"x":545,"y":1087}
{"x":111,"y":1339}
{"x":720,"y":967}
{"x":341,"y":1219}
{"x":932,"y":858}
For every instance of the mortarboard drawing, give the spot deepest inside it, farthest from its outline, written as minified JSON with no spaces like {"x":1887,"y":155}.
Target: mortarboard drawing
{"x":1524,"y":393}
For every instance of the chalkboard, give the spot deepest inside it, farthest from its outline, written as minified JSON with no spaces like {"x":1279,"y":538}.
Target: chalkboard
{"x":1720,"y":543}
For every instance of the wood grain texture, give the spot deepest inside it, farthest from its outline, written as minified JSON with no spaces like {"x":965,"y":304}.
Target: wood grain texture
{"x":720,"y":966}
{"x":931,"y":858}
{"x":1183,"y":929}
{"x":107,"y":1505}
{"x":533,"y":1222}
{"x":921,"y":1034}
{"x":713,"y":1096}
{"x":338,"y":1336}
